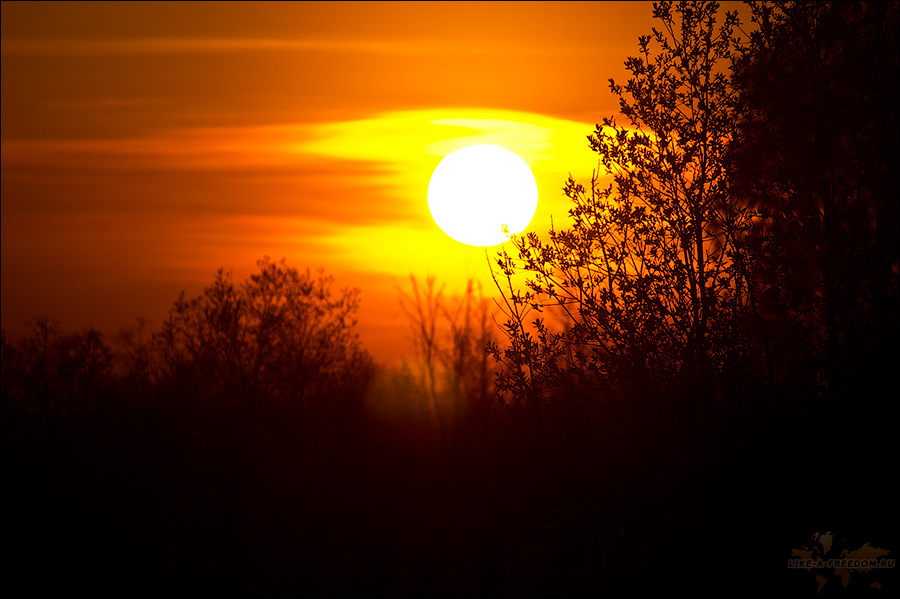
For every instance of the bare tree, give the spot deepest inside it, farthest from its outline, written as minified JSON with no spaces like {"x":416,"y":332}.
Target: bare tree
{"x":451,"y":337}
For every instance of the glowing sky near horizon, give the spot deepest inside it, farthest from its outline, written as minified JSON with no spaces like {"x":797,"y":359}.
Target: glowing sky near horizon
{"x":146,"y":145}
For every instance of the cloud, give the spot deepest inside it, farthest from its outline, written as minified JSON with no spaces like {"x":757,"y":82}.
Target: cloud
{"x":355,"y":172}
{"x":192,"y":45}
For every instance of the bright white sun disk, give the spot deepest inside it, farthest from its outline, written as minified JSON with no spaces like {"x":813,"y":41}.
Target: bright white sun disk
{"x":477,"y":190}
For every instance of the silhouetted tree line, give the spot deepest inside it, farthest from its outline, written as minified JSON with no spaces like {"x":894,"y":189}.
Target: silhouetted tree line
{"x":188,"y":458}
{"x":281,"y":338}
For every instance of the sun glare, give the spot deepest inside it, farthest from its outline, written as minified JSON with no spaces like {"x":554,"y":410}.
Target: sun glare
{"x":478,"y":190}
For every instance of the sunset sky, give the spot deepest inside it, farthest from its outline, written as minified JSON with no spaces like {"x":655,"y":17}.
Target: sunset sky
{"x":146,"y":145}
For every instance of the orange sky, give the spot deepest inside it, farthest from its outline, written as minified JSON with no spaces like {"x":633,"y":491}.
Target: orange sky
{"x":145,"y":145}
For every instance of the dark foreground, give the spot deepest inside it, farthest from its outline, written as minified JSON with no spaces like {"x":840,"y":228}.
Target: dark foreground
{"x":158,"y":502}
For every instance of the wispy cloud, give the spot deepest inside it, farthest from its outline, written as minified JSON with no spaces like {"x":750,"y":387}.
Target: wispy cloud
{"x":395,"y":150}
{"x":350,"y":194}
{"x":182,"y":45}
{"x":108,"y":103}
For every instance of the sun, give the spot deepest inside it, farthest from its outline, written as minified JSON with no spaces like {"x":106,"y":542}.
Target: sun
{"x":477,"y":190}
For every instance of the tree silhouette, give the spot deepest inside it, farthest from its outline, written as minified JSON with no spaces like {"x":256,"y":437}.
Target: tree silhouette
{"x":135,"y":360}
{"x":450,"y":336}
{"x":52,"y":372}
{"x":732,"y":262}
{"x":627,"y":330}
{"x":281,"y":337}
{"x":819,"y":157}
{"x":649,"y":275}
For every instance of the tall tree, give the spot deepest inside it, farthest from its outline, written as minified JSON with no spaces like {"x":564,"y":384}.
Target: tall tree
{"x":648,"y":275}
{"x":819,"y":157}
